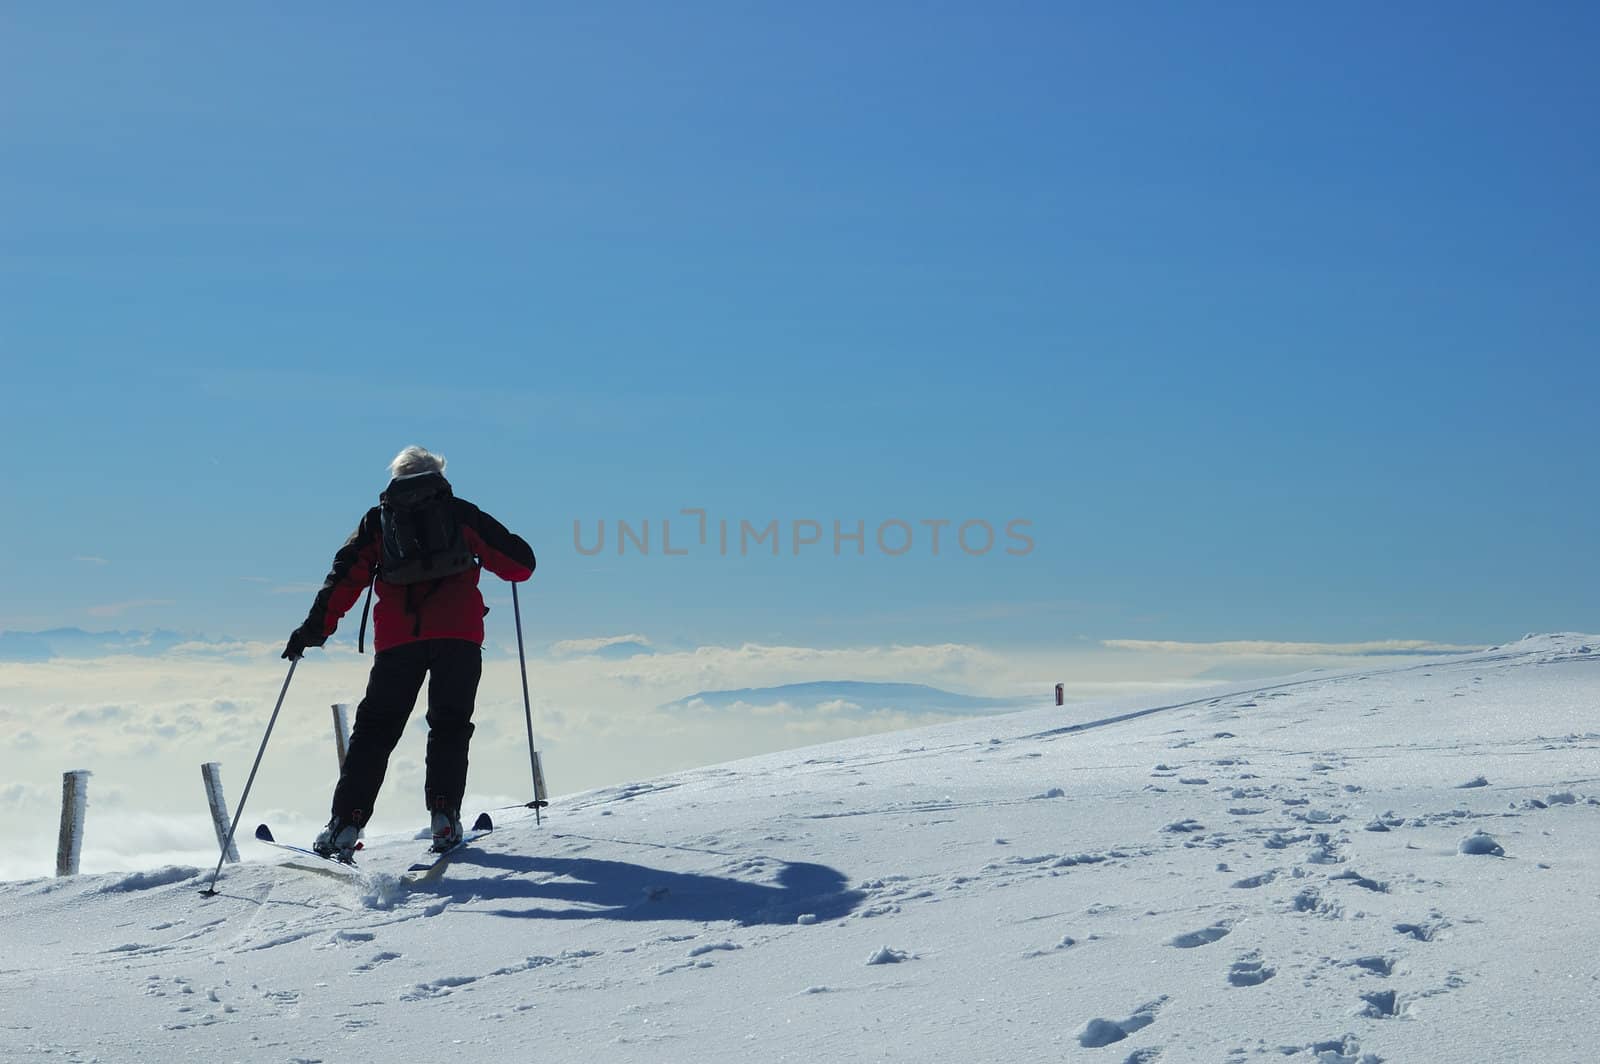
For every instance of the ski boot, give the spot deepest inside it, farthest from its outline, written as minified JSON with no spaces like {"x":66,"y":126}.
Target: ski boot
{"x":446,"y":829}
{"x":338,"y":840}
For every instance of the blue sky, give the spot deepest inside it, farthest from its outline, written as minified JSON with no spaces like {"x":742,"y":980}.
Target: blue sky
{"x":1274,"y":323}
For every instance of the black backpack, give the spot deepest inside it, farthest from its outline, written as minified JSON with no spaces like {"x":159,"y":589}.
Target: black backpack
{"x":421,"y":537}
{"x":422,"y":540}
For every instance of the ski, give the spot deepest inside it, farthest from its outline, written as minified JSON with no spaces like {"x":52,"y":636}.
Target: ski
{"x":432,"y":861}
{"x":264,"y":834}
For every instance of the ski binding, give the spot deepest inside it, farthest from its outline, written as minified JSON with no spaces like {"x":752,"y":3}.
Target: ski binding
{"x":480,"y":827}
{"x":264,"y":834}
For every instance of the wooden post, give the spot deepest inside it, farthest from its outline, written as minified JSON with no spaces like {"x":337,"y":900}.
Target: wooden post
{"x":211,"y":772}
{"x":1061,"y":694}
{"x":540,"y":795}
{"x":341,"y":730}
{"x":74,"y":803}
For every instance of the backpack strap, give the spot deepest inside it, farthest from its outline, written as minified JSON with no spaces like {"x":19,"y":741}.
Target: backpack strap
{"x":414,"y":604}
{"x":413,"y":607}
{"x":362,"y":638}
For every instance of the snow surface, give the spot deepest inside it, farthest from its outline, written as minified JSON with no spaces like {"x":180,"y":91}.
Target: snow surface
{"x":1298,"y":871}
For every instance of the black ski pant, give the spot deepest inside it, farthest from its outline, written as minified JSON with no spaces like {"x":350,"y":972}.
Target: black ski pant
{"x":453,"y":667}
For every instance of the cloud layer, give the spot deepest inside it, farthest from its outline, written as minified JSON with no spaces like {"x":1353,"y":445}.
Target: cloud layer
{"x":145,"y":720}
{"x":143,"y":712}
{"x":1237,"y":647}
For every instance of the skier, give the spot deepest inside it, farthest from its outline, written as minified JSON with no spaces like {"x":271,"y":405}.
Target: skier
{"x":421,"y":548}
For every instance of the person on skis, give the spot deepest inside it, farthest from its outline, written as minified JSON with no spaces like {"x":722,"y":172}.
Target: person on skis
{"x":421,"y":549}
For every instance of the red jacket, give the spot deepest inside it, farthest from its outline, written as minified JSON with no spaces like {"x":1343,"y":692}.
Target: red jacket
{"x":448,"y":608}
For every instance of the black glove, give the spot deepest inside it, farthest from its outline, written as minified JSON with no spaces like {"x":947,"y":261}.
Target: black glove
{"x":307,"y":635}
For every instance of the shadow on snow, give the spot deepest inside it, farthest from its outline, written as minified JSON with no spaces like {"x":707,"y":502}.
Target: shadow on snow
{"x":588,"y":889}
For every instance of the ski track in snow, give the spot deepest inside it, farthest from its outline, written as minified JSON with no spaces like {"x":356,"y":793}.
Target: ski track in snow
{"x":1337,"y":868}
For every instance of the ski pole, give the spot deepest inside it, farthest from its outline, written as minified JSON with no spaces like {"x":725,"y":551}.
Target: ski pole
{"x":211,"y":891}
{"x":540,"y":798}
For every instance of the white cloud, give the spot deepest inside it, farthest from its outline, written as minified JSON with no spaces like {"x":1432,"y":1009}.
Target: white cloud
{"x":1274,"y":648}
{"x":90,"y":559}
{"x":599,"y":643}
{"x":711,"y":668}
{"x":90,"y":718}
{"x":229,"y":648}
{"x":26,"y":796}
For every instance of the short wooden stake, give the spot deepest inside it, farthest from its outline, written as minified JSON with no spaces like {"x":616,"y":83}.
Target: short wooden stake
{"x":341,"y":730}
{"x":74,"y":804}
{"x":211,"y":772}
{"x":540,"y":795}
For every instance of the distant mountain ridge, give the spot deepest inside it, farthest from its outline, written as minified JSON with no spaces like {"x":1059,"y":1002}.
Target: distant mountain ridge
{"x":16,"y":646}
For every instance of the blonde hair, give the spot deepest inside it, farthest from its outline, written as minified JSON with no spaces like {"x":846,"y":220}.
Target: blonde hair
{"x":414,"y":460}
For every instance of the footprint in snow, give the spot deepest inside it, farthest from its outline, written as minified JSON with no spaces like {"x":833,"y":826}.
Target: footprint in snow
{"x":1324,"y":852}
{"x":1066,"y":943}
{"x":378,"y":959}
{"x":1344,"y":1050}
{"x":438,"y":987}
{"x":1482,"y":844}
{"x":1381,"y":1005}
{"x":1361,"y":881}
{"x":1421,"y":932}
{"x":1250,"y":970}
{"x":1251,"y":882}
{"x":712,"y":947}
{"x":1203,"y":937}
{"x":1100,"y":1032}
{"x":886,"y":955}
{"x":347,"y":938}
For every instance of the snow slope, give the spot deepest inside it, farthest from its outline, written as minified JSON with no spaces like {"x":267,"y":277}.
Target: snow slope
{"x":1274,"y":873}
